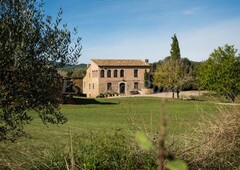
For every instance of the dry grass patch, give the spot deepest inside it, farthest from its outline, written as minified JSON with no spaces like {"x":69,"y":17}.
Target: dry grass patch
{"x":216,"y":142}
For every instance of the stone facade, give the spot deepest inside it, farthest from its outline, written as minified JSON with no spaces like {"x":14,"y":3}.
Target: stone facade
{"x":123,"y":77}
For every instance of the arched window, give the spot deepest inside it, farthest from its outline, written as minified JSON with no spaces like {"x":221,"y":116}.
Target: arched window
{"x":109,"y":73}
{"x":122,"y":73}
{"x":102,"y":73}
{"x":115,"y":73}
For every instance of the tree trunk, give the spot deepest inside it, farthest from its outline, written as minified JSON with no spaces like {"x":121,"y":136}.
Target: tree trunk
{"x":178,"y":91}
{"x":172,"y":93}
{"x":178,"y":94}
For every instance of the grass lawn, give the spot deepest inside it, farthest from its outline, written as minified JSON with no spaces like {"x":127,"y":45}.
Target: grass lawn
{"x":128,"y":114}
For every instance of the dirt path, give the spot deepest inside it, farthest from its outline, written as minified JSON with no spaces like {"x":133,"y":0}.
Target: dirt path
{"x":183,"y":94}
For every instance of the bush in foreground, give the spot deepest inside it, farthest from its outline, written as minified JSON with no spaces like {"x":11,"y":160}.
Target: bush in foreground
{"x":94,"y":150}
{"x":216,"y":143}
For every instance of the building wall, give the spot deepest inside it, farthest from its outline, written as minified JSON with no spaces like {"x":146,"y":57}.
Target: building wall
{"x":128,"y":80}
{"x":94,"y":84}
{"x":90,"y":81}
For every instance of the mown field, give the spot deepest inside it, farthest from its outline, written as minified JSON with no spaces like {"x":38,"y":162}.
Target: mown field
{"x":91,"y":117}
{"x":128,"y":114}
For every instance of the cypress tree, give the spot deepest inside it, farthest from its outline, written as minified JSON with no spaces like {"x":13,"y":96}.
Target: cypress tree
{"x":175,"y":50}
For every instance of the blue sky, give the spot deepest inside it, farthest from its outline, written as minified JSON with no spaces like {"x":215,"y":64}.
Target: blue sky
{"x":142,"y":29}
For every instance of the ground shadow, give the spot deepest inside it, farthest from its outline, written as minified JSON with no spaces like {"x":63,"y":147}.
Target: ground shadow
{"x":85,"y":101}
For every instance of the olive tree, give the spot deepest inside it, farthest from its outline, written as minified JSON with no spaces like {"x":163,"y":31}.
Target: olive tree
{"x":32,"y":46}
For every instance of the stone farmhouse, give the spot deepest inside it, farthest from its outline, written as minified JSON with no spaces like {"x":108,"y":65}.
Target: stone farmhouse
{"x":114,"y":77}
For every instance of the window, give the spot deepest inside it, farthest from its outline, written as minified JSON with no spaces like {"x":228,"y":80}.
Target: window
{"x":102,"y":73}
{"x":109,"y":73}
{"x":109,"y":86}
{"x":89,"y":75}
{"x":122,"y":73}
{"x":93,"y":86}
{"x":115,"y":73}
{"x":135,"y":72}
{"x":135,"y":86}
{"x":89,"y":86}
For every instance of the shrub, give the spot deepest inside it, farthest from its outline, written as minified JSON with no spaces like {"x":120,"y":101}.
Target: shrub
{"x":216,"y":143}
{"x":114,"y":150}
{"x":91,"y":150}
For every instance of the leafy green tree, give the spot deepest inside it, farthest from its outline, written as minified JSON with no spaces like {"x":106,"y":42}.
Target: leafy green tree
{"x":220,"y":72}
{"x":184,"y":75}
{"x":78,"y":72}
{"x":173,"y":72}
{"x":147,"y":82}
{"x":189,"y":69}
{"x":173,"y":75}
{"x":165,"y":75}
{"x":32,"y":46}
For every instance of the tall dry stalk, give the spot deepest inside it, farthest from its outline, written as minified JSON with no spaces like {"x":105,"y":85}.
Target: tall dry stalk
{"x":71,"y":154}
{"x":162,"y":137}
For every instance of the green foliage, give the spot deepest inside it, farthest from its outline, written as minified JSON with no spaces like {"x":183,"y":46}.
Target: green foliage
{"x":73,"y":70}
{"x":173,"y":73}
{"x":31,"y":45}
{"x":90,"y":150}
{"x":165,"y":75}
{"x":143,"y":141}
{"x":190,"y":70}
{"x":110,"y":151}
{"x":103,"y":135}
{"x":147,"y":82}
{"x":220,"y":72}
{"x":175,"y":50}
{"x":176,"y":165}
{"x":78,"y":72}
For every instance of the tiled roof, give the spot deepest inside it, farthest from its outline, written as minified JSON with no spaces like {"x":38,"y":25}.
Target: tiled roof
{"x":119,"y":62}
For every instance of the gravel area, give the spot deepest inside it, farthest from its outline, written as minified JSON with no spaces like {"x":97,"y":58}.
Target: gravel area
{"x":183,"y":94}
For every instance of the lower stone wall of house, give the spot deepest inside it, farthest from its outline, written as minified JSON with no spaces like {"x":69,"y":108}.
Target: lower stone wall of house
{"x":117,"y":85}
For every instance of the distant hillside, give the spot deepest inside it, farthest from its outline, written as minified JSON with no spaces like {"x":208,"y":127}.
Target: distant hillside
{"x":72,"y":67}
{"x":78,"y":70}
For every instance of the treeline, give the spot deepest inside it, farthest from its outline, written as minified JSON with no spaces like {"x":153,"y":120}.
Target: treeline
{"x":219,"y":73}
{"x":190,"y":66}
{"x":73,"y":71}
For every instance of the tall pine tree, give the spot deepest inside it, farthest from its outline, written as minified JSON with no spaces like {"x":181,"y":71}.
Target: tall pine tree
{"x":175,"y":50}
{"x":172,"y":73}
{"x":175,"y":61}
